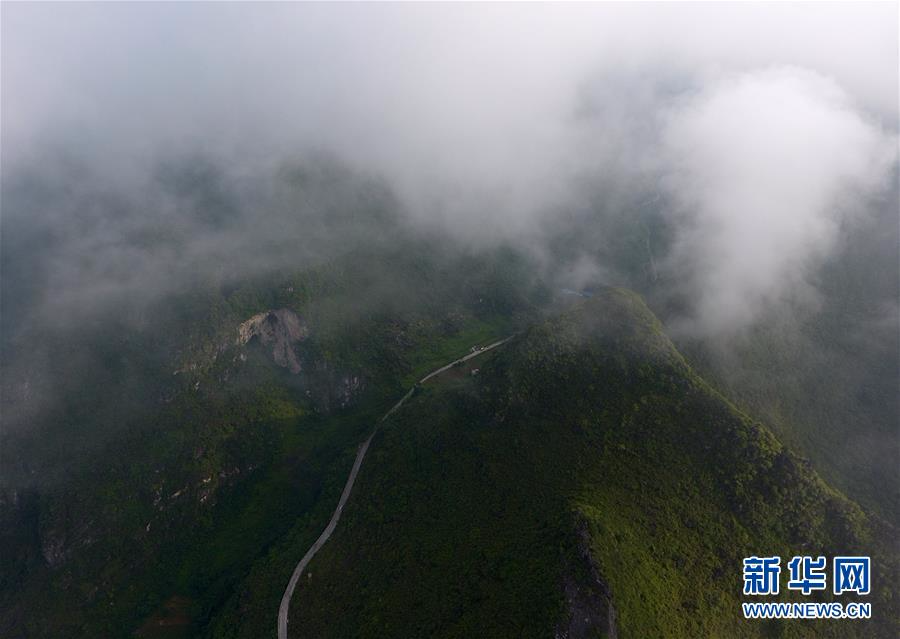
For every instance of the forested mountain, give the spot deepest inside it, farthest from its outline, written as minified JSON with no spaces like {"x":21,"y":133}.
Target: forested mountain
{"x":449,"y":320}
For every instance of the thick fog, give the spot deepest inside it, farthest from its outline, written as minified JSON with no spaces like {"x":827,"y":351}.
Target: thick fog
{"x":758,"y":132}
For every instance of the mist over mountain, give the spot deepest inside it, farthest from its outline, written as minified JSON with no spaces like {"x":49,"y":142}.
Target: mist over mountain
{"x":401,"y":182}
{"x":486,"y":123}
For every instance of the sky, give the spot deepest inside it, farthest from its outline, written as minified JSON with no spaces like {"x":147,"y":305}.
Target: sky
{"x":762,"y":129}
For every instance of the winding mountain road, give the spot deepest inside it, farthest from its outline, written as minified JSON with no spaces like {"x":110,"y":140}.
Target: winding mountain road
{"x":360,"y":455}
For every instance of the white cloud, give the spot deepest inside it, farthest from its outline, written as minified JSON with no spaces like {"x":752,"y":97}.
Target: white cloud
{"x":764,"y":169}
{"x":484,"y":119}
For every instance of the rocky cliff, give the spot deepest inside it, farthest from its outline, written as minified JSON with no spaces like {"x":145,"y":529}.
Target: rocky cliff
{"x":279,"y":330}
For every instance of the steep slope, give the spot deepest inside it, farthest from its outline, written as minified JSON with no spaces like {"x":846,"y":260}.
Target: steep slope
{"x":585,"y":483}
{"x":181,"y":513}
{"x":824,"y":376}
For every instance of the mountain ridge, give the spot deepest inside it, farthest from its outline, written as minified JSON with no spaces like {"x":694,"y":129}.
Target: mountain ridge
{"x":672,"y":484}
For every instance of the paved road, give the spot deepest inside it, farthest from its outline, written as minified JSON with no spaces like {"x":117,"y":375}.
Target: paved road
{"x":360,"y":455}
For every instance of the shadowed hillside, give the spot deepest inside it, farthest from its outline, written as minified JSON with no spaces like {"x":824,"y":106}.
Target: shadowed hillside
{"x":585,"y":460}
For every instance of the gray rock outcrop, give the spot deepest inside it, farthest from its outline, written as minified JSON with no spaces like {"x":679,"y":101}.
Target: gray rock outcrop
{"x":280,"y":330}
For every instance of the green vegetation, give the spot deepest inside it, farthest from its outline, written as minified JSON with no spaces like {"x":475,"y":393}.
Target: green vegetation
{"x":824,"y":376}
{"x":186,"y":515}
{"x":586,"y":457}
{"x":437,"y":353}
{"x":468,"y":514}
{"x":828,"y":392}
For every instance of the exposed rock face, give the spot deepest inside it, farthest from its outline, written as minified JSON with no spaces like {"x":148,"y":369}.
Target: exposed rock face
{"x":280,"y":329}
{"x":53,"y":549}
{"x":60,"y":537}
{"x":589,"y":608}
{"x":350,"y":386}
